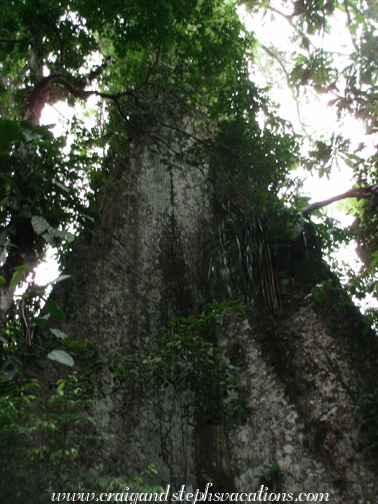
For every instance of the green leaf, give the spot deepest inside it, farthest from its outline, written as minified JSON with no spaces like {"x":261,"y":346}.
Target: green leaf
{"x":23,"y":267}
{"x":58,"y":333}
{"x":62,"y":357}
{"x":61,"y":387}
{"x":16,"y":279}
{"x":18,"y":275}
{"x":54,"y":309}
{"x":39,"y":224}
{"x":65,"y":235}
{"x":2,"y":280}
{"x":41,"y":322}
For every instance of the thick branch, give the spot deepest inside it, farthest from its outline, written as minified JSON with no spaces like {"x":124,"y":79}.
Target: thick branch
{"x":358,"y":192}
{"x":37,"y":98}
{"x":84,"y":95}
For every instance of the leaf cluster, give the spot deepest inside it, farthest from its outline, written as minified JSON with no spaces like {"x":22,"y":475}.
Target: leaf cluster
{"x":41,"y":431}
{"x":193,"y":356}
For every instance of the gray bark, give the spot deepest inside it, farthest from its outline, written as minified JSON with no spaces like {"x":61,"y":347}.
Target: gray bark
{"x":304,"y":369}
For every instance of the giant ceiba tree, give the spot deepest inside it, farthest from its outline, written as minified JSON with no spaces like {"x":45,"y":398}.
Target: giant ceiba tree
{"x":196,"y":336}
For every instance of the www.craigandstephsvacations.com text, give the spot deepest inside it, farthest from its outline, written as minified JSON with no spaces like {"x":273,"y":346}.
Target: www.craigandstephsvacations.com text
{"x":263,"y":495}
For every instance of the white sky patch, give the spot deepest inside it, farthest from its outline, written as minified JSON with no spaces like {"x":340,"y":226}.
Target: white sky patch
{"x":48,"y":270}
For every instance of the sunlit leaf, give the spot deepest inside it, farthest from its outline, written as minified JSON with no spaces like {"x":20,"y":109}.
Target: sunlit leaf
{"x":17,"y":276}
{"x":61,"y":278}
{"x":22,"y":267}
{"x":62,"y":357}
{"x":40,"y":224}
{"x":58,"y":333}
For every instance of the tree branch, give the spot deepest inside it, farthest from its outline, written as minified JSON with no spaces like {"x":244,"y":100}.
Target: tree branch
{"x":274,"y":55}
{"x":358,"y":192}
{"x":153,"y":66}
{"x":346,"y":6}
{"x":37,"y":98}
{"x":78,"y":92}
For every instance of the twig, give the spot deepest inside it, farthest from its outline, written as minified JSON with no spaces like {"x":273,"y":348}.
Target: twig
{"x":153,"y":66}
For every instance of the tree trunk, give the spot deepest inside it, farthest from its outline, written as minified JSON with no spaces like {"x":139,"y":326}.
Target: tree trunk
{"x":304,"y":370}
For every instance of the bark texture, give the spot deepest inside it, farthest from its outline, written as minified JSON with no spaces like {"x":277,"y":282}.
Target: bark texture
{"x":304,"y":369}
